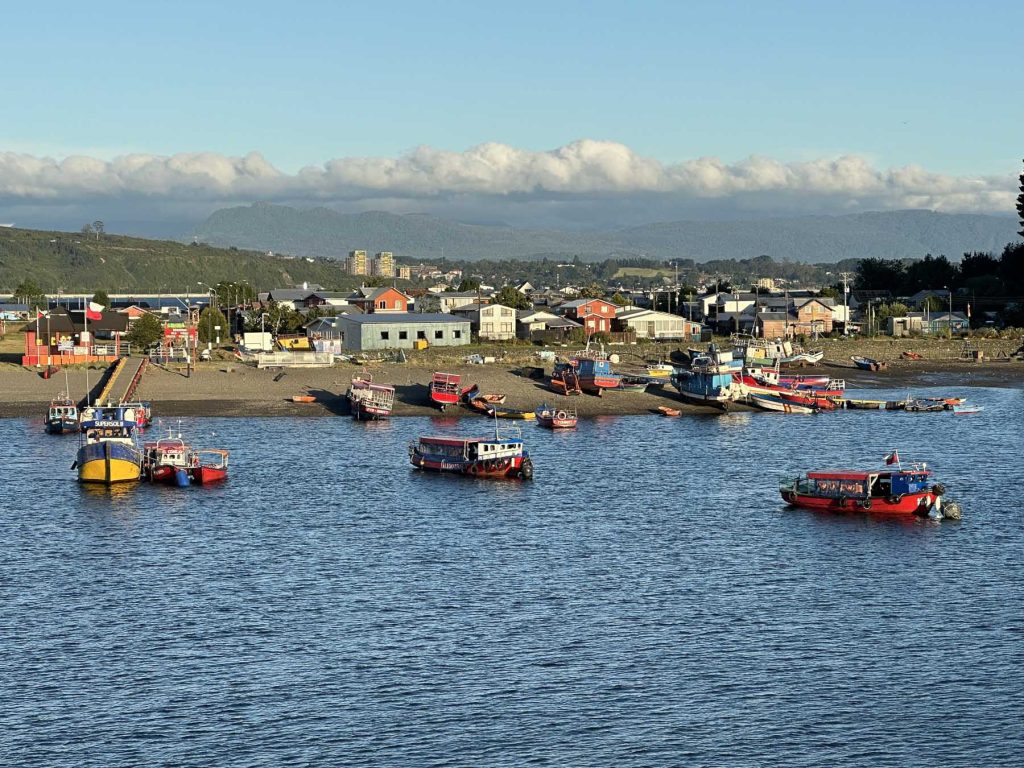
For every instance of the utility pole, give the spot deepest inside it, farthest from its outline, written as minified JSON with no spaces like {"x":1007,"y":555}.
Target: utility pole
{"x":846,"y":310}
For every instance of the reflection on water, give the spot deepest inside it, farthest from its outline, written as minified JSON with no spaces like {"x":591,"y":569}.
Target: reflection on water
{"x":647,"y":600}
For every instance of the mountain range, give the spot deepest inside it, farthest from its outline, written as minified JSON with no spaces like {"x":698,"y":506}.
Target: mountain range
{"x":417,"y":238}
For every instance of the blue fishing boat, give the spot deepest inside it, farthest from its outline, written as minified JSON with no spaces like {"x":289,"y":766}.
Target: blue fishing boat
{"x":709,"y":381}
{"x":595,"y":375}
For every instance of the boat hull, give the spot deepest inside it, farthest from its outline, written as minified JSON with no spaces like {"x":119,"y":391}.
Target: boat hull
{"x":108,"y":463}
{"x":203,"y":475}
{"x":508,"y":467}
{"x":62,"y":427}
{"x":364,"y":411}
{"x":907,"y":504}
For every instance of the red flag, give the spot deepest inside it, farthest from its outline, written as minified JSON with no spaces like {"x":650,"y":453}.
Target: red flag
{"x":39,"y":314}
{"x":94,"y":311}
{"x":892,"y":458}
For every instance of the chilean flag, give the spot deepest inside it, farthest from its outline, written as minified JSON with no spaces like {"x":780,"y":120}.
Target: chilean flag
{"x":893,"y":458}
{"x":94,"y":311}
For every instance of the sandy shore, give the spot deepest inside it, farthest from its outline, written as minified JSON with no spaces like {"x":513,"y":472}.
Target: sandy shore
{"x":227,"y":388}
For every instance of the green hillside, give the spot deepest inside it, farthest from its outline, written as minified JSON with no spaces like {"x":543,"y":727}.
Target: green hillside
{"x":75,"y":262}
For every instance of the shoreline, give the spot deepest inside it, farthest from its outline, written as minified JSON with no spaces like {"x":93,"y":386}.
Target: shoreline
{"x":226,"y":388}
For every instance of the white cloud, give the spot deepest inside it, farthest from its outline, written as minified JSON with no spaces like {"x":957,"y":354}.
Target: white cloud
{"x":581,"y":170}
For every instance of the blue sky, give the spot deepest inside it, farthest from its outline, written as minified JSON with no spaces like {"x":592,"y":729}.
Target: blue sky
{"x":933,"y":84}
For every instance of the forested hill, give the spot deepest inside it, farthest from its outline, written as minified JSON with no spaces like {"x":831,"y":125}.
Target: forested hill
{"x":80,"y":262}
{"x":416,"y":238}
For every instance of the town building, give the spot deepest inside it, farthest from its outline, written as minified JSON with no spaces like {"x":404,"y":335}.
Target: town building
{"x":491,"y":322}
{"x":547,"y":327}
{"x":934,"y":323}
{"x":357,"y":263}
{"x":380,"y":300}
{"x":404,"y":273}
{"x":377,"y":331}
{"x":384,"y":264}
{"x":595,"y":315}
{"x":657,"y":326}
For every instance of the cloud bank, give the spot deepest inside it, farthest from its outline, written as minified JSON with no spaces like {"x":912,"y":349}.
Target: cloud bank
{"x":583,"y":179}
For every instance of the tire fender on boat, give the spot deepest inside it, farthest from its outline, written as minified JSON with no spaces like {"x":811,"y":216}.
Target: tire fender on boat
{"x":561,"y":415}
{"x":866,"y":504}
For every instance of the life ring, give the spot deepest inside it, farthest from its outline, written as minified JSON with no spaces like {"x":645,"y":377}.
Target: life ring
{"x":866,"y":504}
{"x":561,"y":415}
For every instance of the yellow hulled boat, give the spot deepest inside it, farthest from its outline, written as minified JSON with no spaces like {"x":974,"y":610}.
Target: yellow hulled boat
{"x":109,"y":452}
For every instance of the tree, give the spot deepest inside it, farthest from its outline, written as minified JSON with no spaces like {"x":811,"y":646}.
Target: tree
{"x":619,"y":300}
{"x":97,"y":227}
{"x":830,"y":292}
{"x":509,"y":296}
{"x":1020,"y":205}
{"x":468,"y":284}
{"x":880,"y":274}
{"x":101,"y":298}
{"x":931,"y":272}
{"x":29,"y":293}
{"x":87,"y":229}
{"x":592,"y":291}
{"x":209,"y":319}
{"x":933,"y":304}
{"x":145,"y":331}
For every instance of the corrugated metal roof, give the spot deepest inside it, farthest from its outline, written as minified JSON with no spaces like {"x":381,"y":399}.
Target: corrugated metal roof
{"x":406,"y":317}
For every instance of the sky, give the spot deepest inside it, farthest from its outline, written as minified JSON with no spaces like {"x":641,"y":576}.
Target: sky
{"x":552,"y":114}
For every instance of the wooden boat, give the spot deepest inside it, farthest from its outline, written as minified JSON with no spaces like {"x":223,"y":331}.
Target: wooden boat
{"x":445,"y":389}
{"x":801,"y":359}
{"x":867,"y":363}
{"x":565,"y":380}
{"x":504,"y":412}
{"x":660,"y":370}
{"x":474,"y":393}
{"x":664,"y":410}
{"x":964,"y":410}
{"x":632,"y":384}
{"x":892,"y":491}
{"x":61,"y":416}
{"x":556,"y":418}
{"x":750,"y":385}
{"x":911,"y":356}
{"x":595,"y":375}
{"x":369,"y":401}
{"x":109,"y":452}
{"x":709,"y":381}
{"x":866,"y":405}
{"x":810,"y":400}
{"x":172,"y":461}
{"x":500,"y":456}
{"x":778,"y":405}
{"x":927,"y":405}
{"x":303,"y":399}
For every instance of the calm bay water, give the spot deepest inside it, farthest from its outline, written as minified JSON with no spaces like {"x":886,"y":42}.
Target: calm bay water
{"x":647,"y":600}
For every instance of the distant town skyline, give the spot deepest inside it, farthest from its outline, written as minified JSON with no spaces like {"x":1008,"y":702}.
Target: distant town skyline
{"x":558,"y":113}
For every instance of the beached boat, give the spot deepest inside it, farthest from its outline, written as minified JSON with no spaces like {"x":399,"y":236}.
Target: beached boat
{"x":368,"y":401}
{"x":867,"y":363}
{"x":709,"y":381}
{"x":303,"y":399}
{"x":505,"y":412}
{"x":565,"y":380}
{"x":778,"y":404}
{"x":632,"y":384}
{"x":556,"y":418}
{"x":61,"y":416}
{"x":800,"y":359}
{"x":596,"y":375}
{"x":109,"y":452}
{"x":664,"y":410}
{"x":895,"y":490}
{"x":660,"y":370}
{"x":811,"y":400}
{"x":473,"y":393}
{"x":445,"y":389}
{"x":760,"y":385}
{"x":500,"y":456}
{"x":911,"y":355}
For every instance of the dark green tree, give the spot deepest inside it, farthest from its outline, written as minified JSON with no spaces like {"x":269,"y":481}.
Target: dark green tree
{"x":101,"y":298}
{"x":1020,"y":205}
{"x":468,"y":284}
{"x":209,"y":319}
{"x":619,"y":300}
{"x":510,"y":297}
{"x":881,"y":274}
{"x":145,"y":331}
{"x":931,"y":272}
{"x":29,"y":293}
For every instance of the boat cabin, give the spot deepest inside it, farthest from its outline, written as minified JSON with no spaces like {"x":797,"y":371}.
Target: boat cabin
{"x":472,"y":449}
{"x":862,"y":485}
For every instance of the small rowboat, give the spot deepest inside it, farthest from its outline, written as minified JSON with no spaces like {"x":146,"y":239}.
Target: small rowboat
{"x":964,"y":410}
{"x":911,"y":356}
{"x":664,"y":410}
{"x":556,"y":418}
{"x":633,"y":384}
{"x":867,"y":363}
{"x":303,"y":399}
{"x":660,"y":370}
{"x":778,"y":405}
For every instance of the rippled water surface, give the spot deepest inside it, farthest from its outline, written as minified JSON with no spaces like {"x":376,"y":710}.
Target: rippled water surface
{"x":647,"y":600}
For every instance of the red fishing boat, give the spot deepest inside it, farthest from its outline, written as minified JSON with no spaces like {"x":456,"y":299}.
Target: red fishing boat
{"x":894,"y":490}
{"x":758,"y":385}
{"x":445,"y":389}
{"x":810,"y":399}
{"x":369,"y":401}
{"x":556,"y":418}
{"x":172,"y":461}
{"x":210,"y":466}
{"x":500,"y":456}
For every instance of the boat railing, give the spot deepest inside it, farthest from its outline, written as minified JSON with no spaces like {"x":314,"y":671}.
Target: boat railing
{"x":836,"y":384}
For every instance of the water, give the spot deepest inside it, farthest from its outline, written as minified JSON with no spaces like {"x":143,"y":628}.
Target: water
{"x":647,"y":600}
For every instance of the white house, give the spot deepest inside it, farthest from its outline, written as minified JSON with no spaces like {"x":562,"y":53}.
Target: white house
{"x":492,"y":322}
{"x":649,"y":324}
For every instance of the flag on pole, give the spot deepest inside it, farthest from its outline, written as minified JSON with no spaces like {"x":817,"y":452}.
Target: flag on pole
{"x":893,"y":458}
{"x":94,"y":311}
{"x":968,"y":310}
